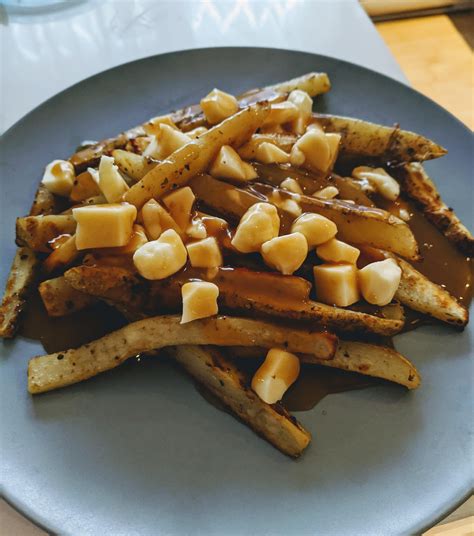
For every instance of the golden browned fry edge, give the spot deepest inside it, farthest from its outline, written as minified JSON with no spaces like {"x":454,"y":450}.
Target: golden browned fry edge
{"x":356,"y":224}
{"x":36,"y":231}
{"x":361,"y":357}
{"x":418,"y":186}
{"x":419,"y":293}
{"x":372,"y":360}
{"x":220,"y":376}
{"x":22,"y":274}
{"x":122,"y":287}
{"x":190,"y":117}
{"x":196,"y":156}
{"x":60,"y":298}
{"x":23,"y":270}
{"x":363,"y":138}
{"x":71,"y":366}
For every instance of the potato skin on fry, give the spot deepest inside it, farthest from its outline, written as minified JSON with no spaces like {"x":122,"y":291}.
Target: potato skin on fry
{"x":71,"y":366}
{"x":196,"y":156}
{"x":356,"y":224}
{"x":418,"y":186}
{"x":22,"y":276}
{"x":420,"y":294}
{"x":389,"y":144}
{"x":210,"y":368}
{"x":241,"y":290}
{"x":60,"y":298}
{"x":371,"y":360}
{"x":361,"y":357}
{"x":36,"y":231}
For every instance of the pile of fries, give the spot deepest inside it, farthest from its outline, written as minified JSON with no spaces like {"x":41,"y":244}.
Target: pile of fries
{"x":215,"y":226}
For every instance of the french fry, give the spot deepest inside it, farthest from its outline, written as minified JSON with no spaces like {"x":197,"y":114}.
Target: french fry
{"x":23,"y":269}
{"x":420,"y":294}
{"x":134,"y":165}
{"x":36,"y":231}
{"x":389,"y":144}
{"x":418,"y":186}
{"x":371,"y":360}
{"x":356,"y":224}
{"x":337,"y":319}
{"x":62,"y":256}
{"x":44,"y":203}
{"x":368,"y":359}
{"x":195,"y":157}
{"x":191,"y":117}
{"x":312,"y":83}
{"x":71,"y":366}
{"x":240,"y":290}
{"x":84,"y":186}
{"x":220,"y":376}
{"x":61,"y":299}
{"x":90,"y":156}
{"x":22,"y":275}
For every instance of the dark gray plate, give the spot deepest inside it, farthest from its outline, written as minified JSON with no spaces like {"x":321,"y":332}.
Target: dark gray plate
{"x":138,"y":451}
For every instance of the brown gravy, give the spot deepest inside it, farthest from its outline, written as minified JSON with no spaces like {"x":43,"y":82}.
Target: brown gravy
{"x":442,"y":263}
{"x":70,"y":331}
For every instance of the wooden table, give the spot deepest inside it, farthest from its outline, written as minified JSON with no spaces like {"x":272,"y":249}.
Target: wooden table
{"x":436,"y":59}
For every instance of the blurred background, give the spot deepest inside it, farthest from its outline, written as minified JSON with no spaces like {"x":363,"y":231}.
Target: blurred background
{"x":48,"y":45}
{"x":432,"y":40}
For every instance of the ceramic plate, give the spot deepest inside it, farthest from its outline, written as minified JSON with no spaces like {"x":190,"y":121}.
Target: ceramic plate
{"x":138,"y":451}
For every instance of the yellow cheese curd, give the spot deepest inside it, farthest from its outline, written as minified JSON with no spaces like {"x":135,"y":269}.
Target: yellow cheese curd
{"x":279,"y":370}
{"x":199,"y":300}
{"x":101,"y":226}
{"x":336,"y":284}
{"x":161,"y":258}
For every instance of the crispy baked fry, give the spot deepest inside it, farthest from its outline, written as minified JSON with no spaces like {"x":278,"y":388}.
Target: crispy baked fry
{"x":22,"y":275}
{"x":372,"y":360}
{"x":71,"y":366}
{"x":44,"y":203}
{"x":62,"y":256}
{"x":368,"y":359}
{"x":84,"y":187}
{"x":36,"y":231}
{"x":60,"y":298}
{"x":241,"y":290}
{"x":23,"y":269}
{"x":356,"y":224}
{"x":418,"y":186}
{"x":221,"y":377}
{"x":313,"y":83}
{"x":194,"y":157}
{"x":389,"y":144}
{"x":134,"y":165}
{"x":191,"y":116}
{"x":419,"y":293}
{"x":90,"y":156}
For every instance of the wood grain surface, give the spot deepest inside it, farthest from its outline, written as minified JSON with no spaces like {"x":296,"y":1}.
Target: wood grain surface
{"x":436,"y":59}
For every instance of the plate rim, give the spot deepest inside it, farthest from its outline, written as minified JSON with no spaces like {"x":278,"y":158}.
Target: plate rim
{"x":16,"y":503}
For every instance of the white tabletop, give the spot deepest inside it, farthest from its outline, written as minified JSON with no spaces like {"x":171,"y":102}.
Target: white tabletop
{"x":45,"y":52}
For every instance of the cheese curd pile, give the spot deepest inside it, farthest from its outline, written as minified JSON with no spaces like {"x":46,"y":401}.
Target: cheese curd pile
{"x":166,"y":234}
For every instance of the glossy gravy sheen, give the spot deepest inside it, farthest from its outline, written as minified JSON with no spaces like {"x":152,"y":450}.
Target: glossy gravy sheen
{"x":441,"y":262}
